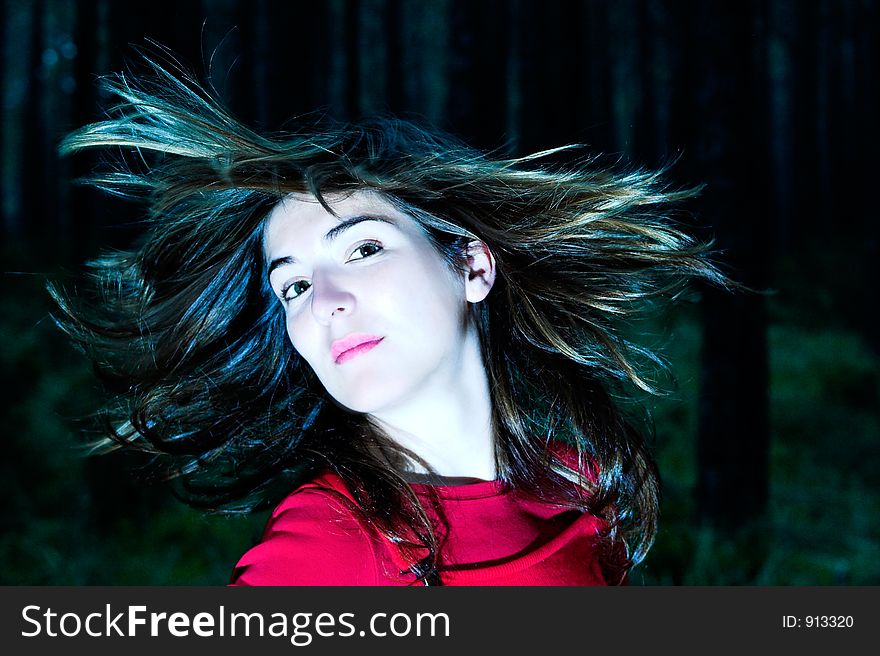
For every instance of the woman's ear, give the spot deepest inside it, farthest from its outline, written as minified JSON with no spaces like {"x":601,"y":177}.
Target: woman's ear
{"x":481,"y":271}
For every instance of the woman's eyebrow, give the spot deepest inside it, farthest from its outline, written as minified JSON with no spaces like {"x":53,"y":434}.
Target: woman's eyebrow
{"x":277,"y":262}
{"x":332,"y":234}
{"x":345,"y":224}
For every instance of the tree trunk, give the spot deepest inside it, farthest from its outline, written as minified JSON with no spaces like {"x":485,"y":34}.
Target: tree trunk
{"x":732,"y":154}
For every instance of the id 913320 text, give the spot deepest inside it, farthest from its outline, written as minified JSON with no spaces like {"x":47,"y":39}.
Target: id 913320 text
{"x":817,"y":621}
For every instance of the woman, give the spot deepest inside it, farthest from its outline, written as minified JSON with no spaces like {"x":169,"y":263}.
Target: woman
{"x":407,"y":341}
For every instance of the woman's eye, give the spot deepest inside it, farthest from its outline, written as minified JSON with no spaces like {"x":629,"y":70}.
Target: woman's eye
{"x":294,"y":289}
{"x":365,"y":250}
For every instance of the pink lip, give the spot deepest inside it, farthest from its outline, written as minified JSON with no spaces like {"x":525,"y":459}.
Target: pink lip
{"x":352,"y":346}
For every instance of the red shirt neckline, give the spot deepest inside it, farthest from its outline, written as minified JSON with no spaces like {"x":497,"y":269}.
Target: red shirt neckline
{"x":477,"y":490}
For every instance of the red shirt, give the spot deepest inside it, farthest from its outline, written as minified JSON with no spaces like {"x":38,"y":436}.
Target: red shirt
{"x":496,"y":537}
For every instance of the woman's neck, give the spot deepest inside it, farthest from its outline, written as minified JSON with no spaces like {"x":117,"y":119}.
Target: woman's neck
{"x":449,"y":423}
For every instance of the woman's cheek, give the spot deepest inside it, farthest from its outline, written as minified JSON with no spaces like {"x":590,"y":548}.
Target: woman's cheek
{"x":297,"y":332}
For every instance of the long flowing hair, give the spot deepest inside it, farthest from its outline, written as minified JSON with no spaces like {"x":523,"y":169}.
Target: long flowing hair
{"x":192,"y":343}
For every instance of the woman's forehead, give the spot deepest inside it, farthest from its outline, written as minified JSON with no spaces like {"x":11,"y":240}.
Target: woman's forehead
{"x":340,"y":202}
{"x":300,"y":217}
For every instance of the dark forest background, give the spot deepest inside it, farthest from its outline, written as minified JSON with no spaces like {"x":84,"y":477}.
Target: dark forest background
{"x":769,"y":446}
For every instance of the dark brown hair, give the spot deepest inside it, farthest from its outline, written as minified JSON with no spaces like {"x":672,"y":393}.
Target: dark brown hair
{"x":185,"y":326}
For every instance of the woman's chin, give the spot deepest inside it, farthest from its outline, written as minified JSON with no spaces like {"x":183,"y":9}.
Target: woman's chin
{"x":369,"y":399}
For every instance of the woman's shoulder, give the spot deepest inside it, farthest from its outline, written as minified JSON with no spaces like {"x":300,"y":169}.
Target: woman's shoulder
{"x":315,"y":536}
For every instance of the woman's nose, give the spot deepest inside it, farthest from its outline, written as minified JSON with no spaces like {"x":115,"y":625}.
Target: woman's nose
{"x":330,"y":299}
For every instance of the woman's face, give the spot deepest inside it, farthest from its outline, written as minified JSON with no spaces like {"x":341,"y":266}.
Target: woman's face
{"x":370,"y":304}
